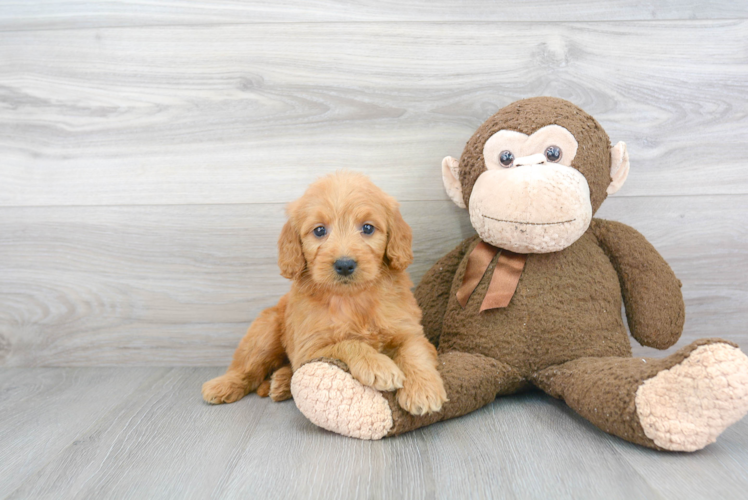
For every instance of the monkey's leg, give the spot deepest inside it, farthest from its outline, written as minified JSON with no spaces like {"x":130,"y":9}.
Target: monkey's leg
{"x":679,"y":403}
{"x":331,"y":398}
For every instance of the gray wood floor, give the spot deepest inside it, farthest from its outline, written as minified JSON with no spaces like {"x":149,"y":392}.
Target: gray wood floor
{"x":145,"y":433}
{"x":147,"y":150}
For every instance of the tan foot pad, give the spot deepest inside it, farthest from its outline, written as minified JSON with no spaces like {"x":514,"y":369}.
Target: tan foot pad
{"x":332,"y":399}
{"x":686,"y":407}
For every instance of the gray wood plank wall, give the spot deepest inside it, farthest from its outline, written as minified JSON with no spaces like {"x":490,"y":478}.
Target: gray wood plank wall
{"x":146,"y":153}
{"x":62,"y":14}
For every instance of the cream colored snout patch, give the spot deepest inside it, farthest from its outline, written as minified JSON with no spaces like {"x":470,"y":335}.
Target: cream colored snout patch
{"x":531,"y":209}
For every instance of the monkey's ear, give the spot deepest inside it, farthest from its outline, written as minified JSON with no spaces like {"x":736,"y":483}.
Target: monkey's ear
{"x":451,"y":179}
{"x":619,"y":167}
{"x":290,"y":255}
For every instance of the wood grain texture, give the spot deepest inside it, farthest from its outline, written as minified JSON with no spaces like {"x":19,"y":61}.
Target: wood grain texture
{"x":178,"y":285}
{"x":714,"y":472}
{"x":44,"y":411}
{"x":254,"y":113}
{"x":162,"y":441}
{"x":154,"y":285}
{"x":65,"y":14}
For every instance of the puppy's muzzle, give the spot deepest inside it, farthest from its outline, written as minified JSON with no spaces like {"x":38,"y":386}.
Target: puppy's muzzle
{"x":345,"y":266}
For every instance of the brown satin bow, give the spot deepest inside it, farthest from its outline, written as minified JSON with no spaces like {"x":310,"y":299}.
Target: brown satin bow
{"x":505,"y":277}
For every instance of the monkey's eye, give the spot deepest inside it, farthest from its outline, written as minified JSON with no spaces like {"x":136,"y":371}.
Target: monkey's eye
{"x":320,"y":231}
{"x":367,"y":229}
{"x":506,"y":158}
{"x":553,"y":153}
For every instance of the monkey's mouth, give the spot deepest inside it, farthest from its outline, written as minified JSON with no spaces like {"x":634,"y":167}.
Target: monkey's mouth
{"x":530,"y":223}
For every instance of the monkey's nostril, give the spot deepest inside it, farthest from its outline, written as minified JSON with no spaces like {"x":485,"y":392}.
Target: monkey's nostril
{"x":345,"y":266}
{"x":536,"y":159}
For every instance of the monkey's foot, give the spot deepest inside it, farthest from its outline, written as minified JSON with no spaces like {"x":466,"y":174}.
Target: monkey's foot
{"x":686,"y":407}
{"x":331,"y":398}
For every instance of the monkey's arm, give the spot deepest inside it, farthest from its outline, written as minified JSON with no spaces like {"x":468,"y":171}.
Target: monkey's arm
{"x":432,"y":293}
{"x":651,"y":292}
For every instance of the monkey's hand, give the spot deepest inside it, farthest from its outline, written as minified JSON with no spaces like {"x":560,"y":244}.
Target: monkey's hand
{"x":651,"y":292}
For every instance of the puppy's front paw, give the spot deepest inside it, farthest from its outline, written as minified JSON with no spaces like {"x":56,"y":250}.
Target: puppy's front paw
{"x":422,"y":394}
{"x":224,"y":389}
{"x":379,"y":372}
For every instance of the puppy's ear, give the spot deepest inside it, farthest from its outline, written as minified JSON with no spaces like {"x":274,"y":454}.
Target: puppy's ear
{"x":290,"y":255}
{"x":399,"y":252}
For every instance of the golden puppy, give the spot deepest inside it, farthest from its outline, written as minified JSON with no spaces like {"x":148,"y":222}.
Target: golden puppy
{"x":346,"y":247}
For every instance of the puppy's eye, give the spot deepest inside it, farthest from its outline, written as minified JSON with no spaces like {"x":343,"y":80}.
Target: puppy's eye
{"x":320,"y":231}
{"x":553,"y":153}
{"x":367,"y":229}
{"x":506,"y":158}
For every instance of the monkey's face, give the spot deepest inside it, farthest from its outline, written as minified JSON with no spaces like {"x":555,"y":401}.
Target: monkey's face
{"x":530,"y":199}
{"x":533,"y":175}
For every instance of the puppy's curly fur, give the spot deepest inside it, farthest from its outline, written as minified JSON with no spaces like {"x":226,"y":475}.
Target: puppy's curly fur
{"x":368,"y":319}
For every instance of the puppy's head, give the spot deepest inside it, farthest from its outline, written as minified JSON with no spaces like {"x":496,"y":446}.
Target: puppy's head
{"x":344,"y":232}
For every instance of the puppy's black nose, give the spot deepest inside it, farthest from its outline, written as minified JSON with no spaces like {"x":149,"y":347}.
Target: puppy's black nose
{"x":345,"y":266}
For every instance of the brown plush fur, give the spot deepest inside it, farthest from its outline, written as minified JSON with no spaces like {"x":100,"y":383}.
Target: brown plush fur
{"x":566,"y":309}
{"x":369,"y":320}
{"x":654,"y":309}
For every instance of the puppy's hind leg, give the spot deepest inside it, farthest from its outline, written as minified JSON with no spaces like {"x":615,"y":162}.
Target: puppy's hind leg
{"x":259,"y":353}
{"x":280,"y":384}
{"x":264,"y":389}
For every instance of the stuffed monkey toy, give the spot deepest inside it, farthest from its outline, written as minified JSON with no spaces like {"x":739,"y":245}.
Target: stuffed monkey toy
{"x":534,"y":299}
